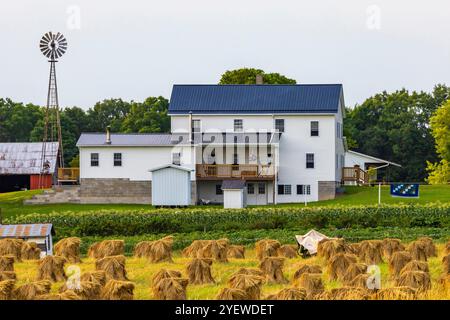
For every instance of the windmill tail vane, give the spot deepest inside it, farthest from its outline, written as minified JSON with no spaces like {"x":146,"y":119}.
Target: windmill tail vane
{"x":52,"y":46}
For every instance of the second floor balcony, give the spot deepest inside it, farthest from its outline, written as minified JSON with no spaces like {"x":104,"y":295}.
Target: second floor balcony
{"x":235,"y":171}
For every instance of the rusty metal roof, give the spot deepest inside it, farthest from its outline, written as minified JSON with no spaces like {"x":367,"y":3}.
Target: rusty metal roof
{"x":26,"y":157}
{"x":26,"y":230}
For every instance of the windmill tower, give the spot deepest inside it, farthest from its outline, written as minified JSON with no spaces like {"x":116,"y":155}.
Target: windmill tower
{"x":53,"y":46}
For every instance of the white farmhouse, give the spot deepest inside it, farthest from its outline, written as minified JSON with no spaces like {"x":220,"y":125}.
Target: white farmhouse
{"x":285,"y":141}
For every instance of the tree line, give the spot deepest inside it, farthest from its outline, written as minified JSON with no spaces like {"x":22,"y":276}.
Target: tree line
{"x":395,"y":126}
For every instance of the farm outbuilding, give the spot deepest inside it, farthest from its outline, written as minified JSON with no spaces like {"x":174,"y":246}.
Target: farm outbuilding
{"x":234,"y":196}
{"x":20,"y":165}
{"x":41,"y":234}
{"x":171,"y":186}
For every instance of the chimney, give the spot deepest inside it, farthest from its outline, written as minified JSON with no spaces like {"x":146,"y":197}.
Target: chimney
{"x":259,"y":79}
{"x":108,"y":135}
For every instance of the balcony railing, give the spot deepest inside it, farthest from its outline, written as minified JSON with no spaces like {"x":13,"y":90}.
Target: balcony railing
{"x":231,"y":171}
{"x":68,"y":174}
{"x":355,"y":174}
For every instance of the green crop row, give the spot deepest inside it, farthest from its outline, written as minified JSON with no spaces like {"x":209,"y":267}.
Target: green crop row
{"x":167,"y":221}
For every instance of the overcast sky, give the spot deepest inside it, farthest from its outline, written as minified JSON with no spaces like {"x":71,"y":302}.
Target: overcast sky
{"x":138,"y":48}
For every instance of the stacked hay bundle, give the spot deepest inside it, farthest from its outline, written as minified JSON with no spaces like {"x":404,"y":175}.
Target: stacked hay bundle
{"x":94,"y":276}
{"x":348,"y":293}
{"x":113,"y":266}
{"x":231,"y":294}
{"x":353,"y":248}
{"x":236,"y":252}
{"x":267,"y":248}
{"x":7,"y":275}
{"x":117,"y":290}
{"x":170,"y":289}
{"x":397,"y":261}
{"x":288,"y":251}
{"x":30,"y":251}
{"x":69,"y":248}
{"x":249,"y":282}
{"x":360,"y":281}
{"x":215,"y":249}
{"x":370,"y":251}
{"x":32,"y":290}
{"x":169,"y":285}
{"x":390,"y":246}
{"x":52,"y":268}
{"x":199,"y":271}
{"x":430,"y":248}
{"x":66,"y":295}
{"x":192,"y":250}
{"x":419,"y":280}
{"x":418,"y":250}
{"x":415,"y":265}
{"x":106,"y":248}
{"x":11,"y":247}
{"x":315,"y":269}
{"x":446,"y":264}
{"x":272,"y":267}
{"x":6,"y":289}
{"x":250,"y":271}
{"x":354,"y":270}
{"x":328,"y":248}
{"x":86,"y":290}
{"x":396,"y":293}
{"x":289,"y":294}
{"x":310,"y":282}
{"x":338,"y":264}
{"x":6,"y":263}
{"x":156,"y":251}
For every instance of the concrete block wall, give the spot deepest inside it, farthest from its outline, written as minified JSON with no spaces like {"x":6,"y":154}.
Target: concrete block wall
{"x":112,"y":190}
{"x":327,"y":190}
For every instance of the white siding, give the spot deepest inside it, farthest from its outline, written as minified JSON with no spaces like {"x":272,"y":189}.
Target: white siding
{"x":171,"y":187}
{"x":136,"y":161}
{"x":233,"y":199}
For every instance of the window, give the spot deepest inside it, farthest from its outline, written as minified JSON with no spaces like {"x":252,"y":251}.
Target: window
{"x":342,"y":160}
{"x":238,"y":125}
{"x":314,"y":128}
{"x":338,"y":129}
{"x":196,"y":124}
{"x":279,"y":125}
{"x":336,"y":161}
{"x":284,"y":189}
{"x":250,"y":188}
{"x":310,"y":161}
{"x":117,"y":159}
{"x":219,"y":190}
{"x":235,"y":158}
{"x":261,"y":188}
{"x":94,"y":159}
{"x":176,"y":158}
{"x":303,"y":189}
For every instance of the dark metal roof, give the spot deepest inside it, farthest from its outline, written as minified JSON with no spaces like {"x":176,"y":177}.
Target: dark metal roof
{"x":26,"y":157}
{"x":303,"y":98}
{"x":26,"y":230}
{"x":124,"y":139}
{"x":233,"y":184}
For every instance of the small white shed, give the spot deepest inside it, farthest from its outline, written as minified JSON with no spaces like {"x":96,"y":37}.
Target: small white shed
{"x":234,"y":196}
{"x":171,"y":186}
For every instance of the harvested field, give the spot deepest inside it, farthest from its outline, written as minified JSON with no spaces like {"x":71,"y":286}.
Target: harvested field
{"x":140,"y":273}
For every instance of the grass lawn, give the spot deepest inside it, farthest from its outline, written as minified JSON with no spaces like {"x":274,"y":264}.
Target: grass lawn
{"x":12,"y":203}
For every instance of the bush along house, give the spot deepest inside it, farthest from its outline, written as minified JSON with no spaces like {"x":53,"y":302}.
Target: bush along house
{"x":284,"y":141}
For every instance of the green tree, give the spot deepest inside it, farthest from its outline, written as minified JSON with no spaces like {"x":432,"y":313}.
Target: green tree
{"x":440,"y":127}
{"x":248,"y":76}
{"x":395,"y":126}
{"x":110,"y":112}
{"x":148,"y":116}
{"x":17,"y":120}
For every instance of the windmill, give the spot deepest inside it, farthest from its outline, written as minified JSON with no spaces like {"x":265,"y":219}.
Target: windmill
{"x":53,"y":46}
